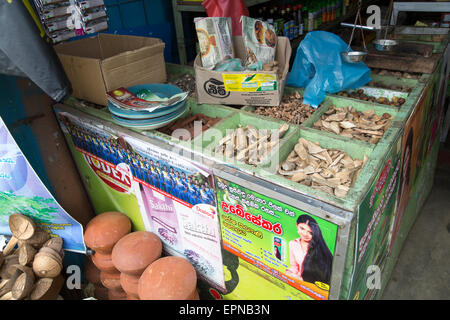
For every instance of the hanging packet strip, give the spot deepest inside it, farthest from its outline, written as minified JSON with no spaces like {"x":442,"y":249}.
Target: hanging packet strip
{"x":260,"y":42}
{"x":318,"y":67}
{"x":214,"y":37}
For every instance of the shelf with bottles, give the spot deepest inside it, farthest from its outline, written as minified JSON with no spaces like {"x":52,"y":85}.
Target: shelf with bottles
{"x":293,"y":18}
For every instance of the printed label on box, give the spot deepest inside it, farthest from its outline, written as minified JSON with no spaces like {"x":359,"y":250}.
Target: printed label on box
{"x":254,"y":82}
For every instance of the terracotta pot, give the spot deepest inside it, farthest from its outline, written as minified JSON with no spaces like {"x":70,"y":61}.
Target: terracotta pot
{"x":104,"y":262}
{"x":136,"y":251}
{"x":117,"y":295}
{"x":168,"y":278}
{"x":195,"y":296}
{"x":129,"y":284}
{"x":100,"y":292}
{"x":104,"y":230}
{"x":111,"y":280}
{"x":91,"y":272}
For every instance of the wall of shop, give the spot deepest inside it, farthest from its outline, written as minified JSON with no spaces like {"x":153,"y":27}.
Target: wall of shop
{"x":137,"y":17}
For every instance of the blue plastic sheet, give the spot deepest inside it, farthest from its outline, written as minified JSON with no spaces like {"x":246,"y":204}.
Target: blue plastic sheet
{"x":318,"y":67}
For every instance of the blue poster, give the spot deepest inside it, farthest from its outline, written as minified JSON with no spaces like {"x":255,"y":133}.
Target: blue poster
{"x":21,"y":191}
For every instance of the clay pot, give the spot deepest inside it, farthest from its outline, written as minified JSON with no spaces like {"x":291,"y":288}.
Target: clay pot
{"x":100,"y":292}
{"x":130,"y":284}
{"x":168,"y":278}
{"x":136,"y":251}
{"x":195,"y":296}
{"x":104,"y":262}
{"x":110,"y":280}
{"x":117,"y":295}
{"x":104,"y":230}
{"x":91,"y":272}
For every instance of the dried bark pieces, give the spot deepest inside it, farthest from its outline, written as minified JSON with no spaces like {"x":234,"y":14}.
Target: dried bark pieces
{"x":194,"y":124}
{"x":329,"y":170}
{"x":249,"y":144}
{"x":346,"y":121}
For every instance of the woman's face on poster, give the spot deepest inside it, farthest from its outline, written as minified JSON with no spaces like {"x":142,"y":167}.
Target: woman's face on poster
{"x":305,"y":232}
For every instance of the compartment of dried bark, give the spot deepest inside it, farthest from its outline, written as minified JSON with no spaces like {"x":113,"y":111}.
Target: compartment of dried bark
{"x":330,"y":170}
{"x":348,"y":122}
{"x":249,"y":144}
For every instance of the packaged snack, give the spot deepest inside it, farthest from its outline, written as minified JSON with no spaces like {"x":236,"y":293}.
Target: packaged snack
{"x":214,"y":37}
{"x":260,"y":41}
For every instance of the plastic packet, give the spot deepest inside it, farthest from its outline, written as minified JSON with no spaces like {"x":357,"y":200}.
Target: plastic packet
{"x":214,"y":37}
{"x":234,"y":64}
{"x":260,"y":41}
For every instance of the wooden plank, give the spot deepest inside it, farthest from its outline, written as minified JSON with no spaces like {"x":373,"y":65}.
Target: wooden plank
{"x":405,"y":63}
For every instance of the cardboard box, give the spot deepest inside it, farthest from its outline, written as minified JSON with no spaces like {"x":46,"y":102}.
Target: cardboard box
{"x":214,"y":87}
{"x":101,"y":63}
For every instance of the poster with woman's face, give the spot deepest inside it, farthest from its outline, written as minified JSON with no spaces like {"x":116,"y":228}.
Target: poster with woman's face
{"x":289,"y":246}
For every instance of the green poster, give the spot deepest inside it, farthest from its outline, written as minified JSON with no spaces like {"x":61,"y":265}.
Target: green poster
{"x":273,"y":250}
{"x":375,"y":216}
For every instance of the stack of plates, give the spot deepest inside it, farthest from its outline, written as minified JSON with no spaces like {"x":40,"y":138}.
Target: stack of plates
{"x":150,"y":120}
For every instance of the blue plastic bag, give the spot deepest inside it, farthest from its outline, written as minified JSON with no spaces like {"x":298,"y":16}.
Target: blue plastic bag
{"x":318,"y":67}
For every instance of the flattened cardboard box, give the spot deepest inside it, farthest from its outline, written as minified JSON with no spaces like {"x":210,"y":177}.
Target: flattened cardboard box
{"x":98,"y":64}
{"x":212,"y":85}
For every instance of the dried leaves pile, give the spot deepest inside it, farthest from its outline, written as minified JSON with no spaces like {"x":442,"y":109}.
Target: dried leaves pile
{"x":346,"y":121}
{"x":186,"y":83}
{"x":330,"y":170}
{"x":291,"y":109}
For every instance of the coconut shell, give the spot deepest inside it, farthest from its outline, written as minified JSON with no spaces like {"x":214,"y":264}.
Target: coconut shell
{"x":51,"y":252}
{"x":22,"y":227}
{"x":104,"y":262}
{"x":136,"y":251}
{"x":110,"y":280}
{"x":37,"y":240}
{"x":168,"y":278}
{"x":104,"y":230}
{"x":8,"y":269}
{"x":130,"y":284}
{"x":55,"y":243}
{"x":26,"y":254}
{"x":46,"y":266}
{"x":47,"y":288}
{"x":23,"y":284}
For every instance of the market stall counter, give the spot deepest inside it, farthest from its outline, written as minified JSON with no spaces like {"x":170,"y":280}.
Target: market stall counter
{"x":267,"y":206}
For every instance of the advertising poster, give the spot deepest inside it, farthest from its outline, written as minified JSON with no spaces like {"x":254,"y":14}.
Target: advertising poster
{"x":100,"y":160}
{"x":160,"y":192}
{"x":179,"y":205}
{"x":274,"y":251}
{"x":21,"y":191}
{"x":411,"y":159}
{"x":375,"y":215}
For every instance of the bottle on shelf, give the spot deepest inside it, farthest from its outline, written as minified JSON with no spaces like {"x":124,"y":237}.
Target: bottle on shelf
{"x":311,"y":16}
{"x":301,"y":26}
